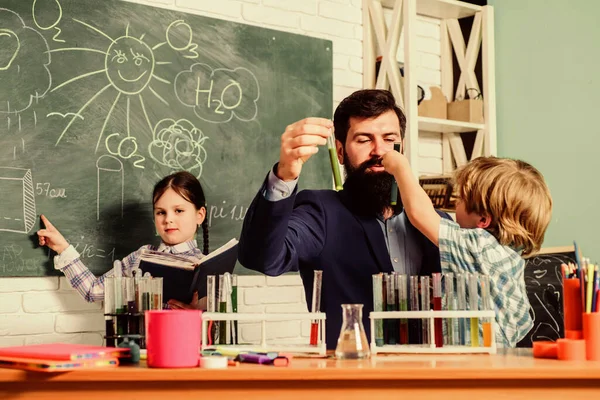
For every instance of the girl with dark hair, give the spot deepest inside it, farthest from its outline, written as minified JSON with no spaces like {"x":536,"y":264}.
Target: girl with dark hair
{"x":179,"y":209}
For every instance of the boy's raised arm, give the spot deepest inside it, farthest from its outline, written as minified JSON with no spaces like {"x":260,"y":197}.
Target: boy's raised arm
{"x":417,"y":203}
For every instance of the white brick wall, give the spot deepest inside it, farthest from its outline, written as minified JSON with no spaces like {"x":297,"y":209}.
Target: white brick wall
{"x":42,"y":310}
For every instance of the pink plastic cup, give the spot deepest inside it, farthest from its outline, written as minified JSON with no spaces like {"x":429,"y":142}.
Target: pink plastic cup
{"x":173,"y":338}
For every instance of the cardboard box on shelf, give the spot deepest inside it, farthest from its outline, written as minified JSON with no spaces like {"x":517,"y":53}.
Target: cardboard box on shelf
{"x":436,"y":107}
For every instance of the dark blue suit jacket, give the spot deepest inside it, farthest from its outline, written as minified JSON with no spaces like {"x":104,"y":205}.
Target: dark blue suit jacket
{"x":317,"y":230}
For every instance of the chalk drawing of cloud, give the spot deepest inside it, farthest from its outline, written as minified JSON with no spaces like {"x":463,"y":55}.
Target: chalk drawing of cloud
{"x":24,"y":60}
{"x":218,"y":95}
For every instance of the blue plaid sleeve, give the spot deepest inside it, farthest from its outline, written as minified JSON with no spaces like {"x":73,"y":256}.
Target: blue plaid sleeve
{"x":476,"y":250}
{"x":90,"y":287}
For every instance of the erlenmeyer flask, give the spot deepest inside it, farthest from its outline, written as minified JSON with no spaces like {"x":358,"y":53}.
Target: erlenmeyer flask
{"x":352,"y":343}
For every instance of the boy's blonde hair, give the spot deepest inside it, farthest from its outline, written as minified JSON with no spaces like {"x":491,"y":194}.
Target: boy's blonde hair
{"x":513,"y":193}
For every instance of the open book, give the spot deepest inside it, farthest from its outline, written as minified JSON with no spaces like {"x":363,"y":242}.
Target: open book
{"x":182,"y":275}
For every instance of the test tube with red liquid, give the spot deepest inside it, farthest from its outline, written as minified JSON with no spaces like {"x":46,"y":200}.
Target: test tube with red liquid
{"x":437,"y":306}
{"x":316,"y":307}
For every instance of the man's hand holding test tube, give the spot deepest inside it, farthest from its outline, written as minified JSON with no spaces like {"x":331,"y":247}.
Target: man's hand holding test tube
{"x":335,"y":166}
{"x":394,"y":192}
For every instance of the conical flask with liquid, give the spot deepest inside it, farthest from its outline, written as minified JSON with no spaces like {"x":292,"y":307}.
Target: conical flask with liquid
{"x":352,"y":343}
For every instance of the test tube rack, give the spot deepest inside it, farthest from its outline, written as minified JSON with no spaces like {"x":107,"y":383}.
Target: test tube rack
{"x":430,"y":316}
{"x":263,"y":318}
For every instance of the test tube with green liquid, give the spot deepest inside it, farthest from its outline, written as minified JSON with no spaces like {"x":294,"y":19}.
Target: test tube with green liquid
{"x":474,"y":306}
{"x":450,"y":305}
{"x":486,"y":324}
{"x":402,"y":284}
{"x":425,"y":306}
{"x":391,"y":306}
{"x":378,"y":306}
{"x":461,"y":297}
{"x":335,"y":166}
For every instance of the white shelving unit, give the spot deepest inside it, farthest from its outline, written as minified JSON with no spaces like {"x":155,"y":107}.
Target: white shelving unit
{"x":263,"y":318}
{"x":430,"y":316}
{"x":379,"y":38}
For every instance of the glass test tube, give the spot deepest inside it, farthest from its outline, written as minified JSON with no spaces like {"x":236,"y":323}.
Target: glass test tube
{"x":437,"y":305}
{"x":211,"y":307}
{"x":137,"y":275}
{"x":129,"y":308}
{"x":391,"y":306}
{"x":146,"y":290}
{"x":450,"y":305}
{"x":414,"y":325}
{"x":157,"y":293}
{"x":316,"y":306}
{"x":484,"y":281}
{"x":425,"y":306}
{"x":461,"y":293}
{"x":109,"y":308}
{"x":386,"y":322}
{"x":378,"y":306}
{"x":335,"y":167}
{"x":474,"y":306}
{"x":228,"y":309}
{"x":402,"y":283}
{"x":129,"y":285}
{"x":222,"y":309}
{"x":234,"y":307}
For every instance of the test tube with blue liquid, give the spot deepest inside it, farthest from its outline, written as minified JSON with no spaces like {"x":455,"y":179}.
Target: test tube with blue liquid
{"x":378,"y":306}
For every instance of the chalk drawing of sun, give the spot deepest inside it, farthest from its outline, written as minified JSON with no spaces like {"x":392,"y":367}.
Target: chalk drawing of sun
{"x":129,"y":65}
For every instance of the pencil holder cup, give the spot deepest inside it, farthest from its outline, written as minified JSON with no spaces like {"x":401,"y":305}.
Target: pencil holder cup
{"x":572,"y":306}
{"x":591,"y":335}
{"x":573,"y":350}
{"x":173,"y":338}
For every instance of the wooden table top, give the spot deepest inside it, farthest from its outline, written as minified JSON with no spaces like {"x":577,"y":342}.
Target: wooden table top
{"x":514,"y":364}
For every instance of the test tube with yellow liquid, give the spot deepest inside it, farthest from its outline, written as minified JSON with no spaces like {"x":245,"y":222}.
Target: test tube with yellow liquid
{"x":335,"y":166}
{"x":486,"y":324}
{"x":474,"y":306}
{"x":461,"y":301}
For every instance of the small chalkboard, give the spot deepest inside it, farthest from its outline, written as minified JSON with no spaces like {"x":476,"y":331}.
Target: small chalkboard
{"x":543,"y":281}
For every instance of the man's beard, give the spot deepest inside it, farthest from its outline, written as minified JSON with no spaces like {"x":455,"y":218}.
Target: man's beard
{"x":369,"y":191}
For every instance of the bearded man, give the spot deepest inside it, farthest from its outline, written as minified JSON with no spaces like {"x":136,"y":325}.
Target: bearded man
{"x":350,"y":235}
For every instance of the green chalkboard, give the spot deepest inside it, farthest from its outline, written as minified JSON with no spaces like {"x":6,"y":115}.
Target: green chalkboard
{"x":101,"y":99}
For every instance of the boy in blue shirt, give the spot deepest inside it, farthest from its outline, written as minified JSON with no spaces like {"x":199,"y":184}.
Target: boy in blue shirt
{"x":502,"y":212}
